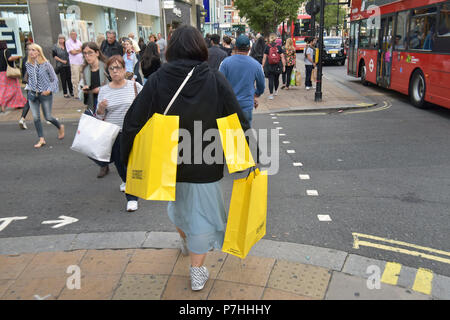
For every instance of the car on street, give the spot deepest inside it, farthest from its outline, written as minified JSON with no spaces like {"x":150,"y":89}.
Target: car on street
{"x":333,"y":50}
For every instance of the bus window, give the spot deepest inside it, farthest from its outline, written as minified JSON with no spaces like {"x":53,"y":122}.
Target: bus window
{"x":302,"y":28}
{"x":364,"y":35}
{"x":374,"y":37}
{"x":400,"y":34}
{"x":443,"y":37}
{"x":422,"y":30}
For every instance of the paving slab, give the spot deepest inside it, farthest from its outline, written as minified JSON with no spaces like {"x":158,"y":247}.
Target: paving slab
{"x":179,"y":288}
{"x":141,"y":287}
{"x":225,"y":290}
{"x":162,"y":240}
{"x":153,"y":261}
{"x":347,"y":287}
{"x":327,"y":258}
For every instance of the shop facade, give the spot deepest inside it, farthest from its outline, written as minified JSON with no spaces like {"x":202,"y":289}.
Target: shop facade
{"x":43,"y":20}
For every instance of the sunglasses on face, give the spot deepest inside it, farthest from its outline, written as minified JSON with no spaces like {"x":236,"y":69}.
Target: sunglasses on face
{"x":115,"y":69}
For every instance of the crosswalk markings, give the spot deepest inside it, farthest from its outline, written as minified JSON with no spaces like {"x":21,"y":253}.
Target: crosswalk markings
{"x":391,"y":273}
{"x":312,"y":192}
{"x":303,"y":176}
{"x":423,"y":282}
{"x":297,"y":164}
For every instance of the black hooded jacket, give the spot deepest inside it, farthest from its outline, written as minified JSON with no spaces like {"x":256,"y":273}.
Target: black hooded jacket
{"x":206,"y":97}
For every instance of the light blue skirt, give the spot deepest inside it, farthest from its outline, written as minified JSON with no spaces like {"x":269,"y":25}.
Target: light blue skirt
{"x":200,"y":212}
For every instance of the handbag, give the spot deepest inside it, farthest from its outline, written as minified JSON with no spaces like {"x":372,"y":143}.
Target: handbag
{"x":247,"y":216}
{"x":11,"y":72}
{"x":152,"y":164}
{"x":95,"y":138}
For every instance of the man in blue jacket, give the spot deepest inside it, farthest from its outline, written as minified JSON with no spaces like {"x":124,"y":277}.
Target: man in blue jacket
{"x":241,"y":72}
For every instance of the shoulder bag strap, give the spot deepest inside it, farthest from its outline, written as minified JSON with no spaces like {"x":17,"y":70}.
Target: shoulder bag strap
{"x":179,"y":90}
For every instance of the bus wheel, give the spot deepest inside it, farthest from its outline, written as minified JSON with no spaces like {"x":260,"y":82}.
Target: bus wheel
{"x":362,"y":72}
{"x":417,"y":89}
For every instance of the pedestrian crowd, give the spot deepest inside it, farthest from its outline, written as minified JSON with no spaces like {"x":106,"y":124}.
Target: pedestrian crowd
{"x":124,"y":82}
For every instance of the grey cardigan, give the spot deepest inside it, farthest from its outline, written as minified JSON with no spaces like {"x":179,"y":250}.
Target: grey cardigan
{"x":86,"y":74}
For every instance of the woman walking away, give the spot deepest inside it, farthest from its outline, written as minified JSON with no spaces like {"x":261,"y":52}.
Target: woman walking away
{"x":94,"y":76}
{"x":150,"y":61}
{"x":291,"y":61}
{"x":10,"y":92}
{"x":26,"y":108}
{"x":257,"y":50}
{"x":42,"y":83}
{"x":199,"y":211}
{"x":276,"y":64}
{"x":309,"y":62}
{"x":115,"y":99}
{"x":62,"y":65}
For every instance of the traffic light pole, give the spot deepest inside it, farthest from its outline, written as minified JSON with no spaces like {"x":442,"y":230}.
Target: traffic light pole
{"x":313,"y":20}
{"x":318,"y":95}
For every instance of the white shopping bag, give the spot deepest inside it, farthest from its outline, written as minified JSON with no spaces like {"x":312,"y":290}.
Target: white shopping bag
{"x":95,"y":138}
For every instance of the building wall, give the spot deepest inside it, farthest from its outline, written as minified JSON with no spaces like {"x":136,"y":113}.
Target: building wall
{"x":126,"y":23}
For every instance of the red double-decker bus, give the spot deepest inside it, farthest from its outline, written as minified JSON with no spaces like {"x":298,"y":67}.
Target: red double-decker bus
{"x":403,"y":45}
{"x":298,"y":30}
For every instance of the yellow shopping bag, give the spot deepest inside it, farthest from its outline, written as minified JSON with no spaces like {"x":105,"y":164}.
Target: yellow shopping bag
{"x":235,"y":146}
{"x":247,"y":215}
{"x":152,"y":165}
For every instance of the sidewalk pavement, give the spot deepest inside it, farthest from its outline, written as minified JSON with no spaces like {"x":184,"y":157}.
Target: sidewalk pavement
{"x":335,"y":97}
{"x":149,"y":266}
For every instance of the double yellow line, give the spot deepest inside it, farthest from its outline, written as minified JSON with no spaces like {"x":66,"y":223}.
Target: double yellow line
{"x":424,"y":277}
{"x":386,"y":105}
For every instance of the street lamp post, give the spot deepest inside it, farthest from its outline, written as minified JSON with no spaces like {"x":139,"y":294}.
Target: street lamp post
{"x":318,"y":95}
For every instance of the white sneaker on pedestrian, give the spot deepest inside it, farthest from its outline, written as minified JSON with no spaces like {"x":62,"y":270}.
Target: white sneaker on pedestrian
{"x":22,"y":124}
{"x":276,"y":93}
{"x":184,"y":248}
{"x":122,"y":187}
{"x":270,"y":97}
{"x":199,"y":276}
{"x":132,"y":205}
{"x":308,"y":88}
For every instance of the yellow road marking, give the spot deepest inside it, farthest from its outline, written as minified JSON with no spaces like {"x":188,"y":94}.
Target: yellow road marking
{"x":424,"y":278}
{"x":357,"y":243}
{"x":384,"y":107}
{"x":391,"y":273}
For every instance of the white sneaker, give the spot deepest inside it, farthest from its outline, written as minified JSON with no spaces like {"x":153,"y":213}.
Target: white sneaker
{"x":122,"y":187}
{"x":276,"y":93}
{"x":22,"y":124}
{"x":132,"y":206}
{"x":199,"y":276}
{"x":308,"y":88}
{"x":270,"y":97}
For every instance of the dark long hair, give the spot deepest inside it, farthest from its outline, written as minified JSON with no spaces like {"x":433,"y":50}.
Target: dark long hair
{"x":150,"y":54}
{"x":187,"y":43}
{"x":93,"y":46}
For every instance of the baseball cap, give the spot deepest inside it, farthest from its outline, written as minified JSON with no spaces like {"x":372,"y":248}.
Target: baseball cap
{"x":242,"y":42}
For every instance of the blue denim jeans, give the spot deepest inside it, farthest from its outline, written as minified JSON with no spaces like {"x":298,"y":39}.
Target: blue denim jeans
{"x":249,"y":115}
{"x":35,"y":106}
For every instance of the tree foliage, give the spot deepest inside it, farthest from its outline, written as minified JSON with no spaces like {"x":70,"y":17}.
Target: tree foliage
{"x":265,"y":15}
{"x":331,"y":18}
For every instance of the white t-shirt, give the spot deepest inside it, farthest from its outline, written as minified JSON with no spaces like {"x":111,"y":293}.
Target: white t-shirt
{"x":119,"y":101}
{"x":309,"y":51}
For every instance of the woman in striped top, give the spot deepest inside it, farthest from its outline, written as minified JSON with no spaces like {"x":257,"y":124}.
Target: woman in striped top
{"x":42,"y":82}
{"x":115,"y":99}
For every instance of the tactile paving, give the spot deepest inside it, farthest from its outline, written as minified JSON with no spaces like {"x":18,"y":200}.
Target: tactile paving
{"x":300,"y":279}
{"x":141,"y":287}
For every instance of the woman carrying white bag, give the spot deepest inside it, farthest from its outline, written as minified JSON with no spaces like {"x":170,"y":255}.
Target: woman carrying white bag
{"x":115,"y":99}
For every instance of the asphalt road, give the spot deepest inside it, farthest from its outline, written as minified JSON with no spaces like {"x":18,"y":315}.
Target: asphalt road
{"x":380,"y":173}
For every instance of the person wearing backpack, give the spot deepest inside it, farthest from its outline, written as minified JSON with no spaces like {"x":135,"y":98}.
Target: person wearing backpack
{"x":276,"y":64}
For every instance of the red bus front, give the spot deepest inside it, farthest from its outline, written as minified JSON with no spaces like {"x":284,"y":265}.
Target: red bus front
{"x":300,"y":29}
{"x":404,"y":46}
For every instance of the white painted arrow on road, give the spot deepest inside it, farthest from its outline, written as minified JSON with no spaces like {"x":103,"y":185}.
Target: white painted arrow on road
{"x":6,"y":221}
{"x":60,"y":223}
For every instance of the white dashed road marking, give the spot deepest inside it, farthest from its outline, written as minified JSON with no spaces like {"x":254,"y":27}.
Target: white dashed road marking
{"x":297,"y":164}
{"x":290,"y":151}
{"x":304,"y":176}
{"x":312,"y":192}
{"x":286,"y":142}
{"x":324,"y":217}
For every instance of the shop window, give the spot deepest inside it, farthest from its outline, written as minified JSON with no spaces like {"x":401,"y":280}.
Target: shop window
{"x":422,"y":30}
{"x":401,"y":31}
